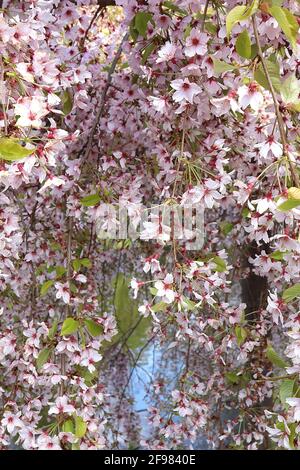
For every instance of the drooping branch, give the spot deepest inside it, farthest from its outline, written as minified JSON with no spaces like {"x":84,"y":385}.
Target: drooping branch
{"x":293,"y":171}
{"x":103,"y":97}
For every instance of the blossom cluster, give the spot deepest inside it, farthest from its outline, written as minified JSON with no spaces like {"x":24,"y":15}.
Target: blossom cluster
{"x":156,"y":103}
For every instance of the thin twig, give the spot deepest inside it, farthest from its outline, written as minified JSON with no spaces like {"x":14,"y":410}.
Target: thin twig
{"x":68,"y":307}
{"x":98,"y":10}
{"x":103,"y":98}
{"x":204,"y":15}
{"x":276,"y":105}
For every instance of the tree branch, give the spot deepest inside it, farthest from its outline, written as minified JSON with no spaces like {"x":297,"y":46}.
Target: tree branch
{"x":294,"y":173}
{"x":103,"y":98}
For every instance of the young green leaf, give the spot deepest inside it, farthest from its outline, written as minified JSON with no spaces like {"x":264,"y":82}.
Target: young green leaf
{"x":76,"y":264}
{"x":148,"y":51}
{"x":274,"y":73}
{"x":277,"y":255}
{"x":221,"y":265}
{"x":175,"y":8}
{"x":85,"y":262}
{"x":286,"y":390}
{"x":290,"y":90}
{"x":91,"y":200}
{"x":46,"y":286}
{"x":67,"y":102}
{"x":220,"y":66}
{"x":240,"y":13}
{"x":241,"y":334}
{"x":11,"y":151}
{"x":294,"y":193}
{"x":53,"y":329}
{"x":69,"y":327}
{"x":226,"y":227}
{"x":141,"y":21}
{"x":93,"y":328}
{"x":275,"y":358}
{"x":60,"y":271}
{"x":232,"y":377}
{"x":42,"y":357}
{"x":159,"y":307}
{"x":80,"y":426}
{"x":68,"y":426}
{"x":243,"y":45}
{"x":291,"y":293}
{"x":288,"y":205}
{"x":287,"y":22}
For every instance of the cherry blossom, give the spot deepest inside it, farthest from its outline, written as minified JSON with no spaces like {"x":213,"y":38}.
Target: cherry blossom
{"x":185,"y":90}
{"x":101,"y":112}
{"x":196,"y":43}
{"x":61,"y":406}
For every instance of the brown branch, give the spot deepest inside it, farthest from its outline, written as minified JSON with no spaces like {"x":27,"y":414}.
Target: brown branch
{"x":103,"y":98}
{"x":204,"y":15}
{"x":68,"y":308}
{"x":294,"y":173}
{"x":94,"y":18}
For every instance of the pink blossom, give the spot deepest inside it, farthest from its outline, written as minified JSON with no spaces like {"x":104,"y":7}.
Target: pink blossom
{"x":61,"y":406}
{"x":196,"y":43}
{"x":185,"y":90}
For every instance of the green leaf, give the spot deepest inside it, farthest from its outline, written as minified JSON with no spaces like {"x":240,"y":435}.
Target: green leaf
{"x":46,"y":286}
{"x":240,"y":13}
{"x":274,"y":357}
{"x":210,"y":27}
{"x":232,"y":377}
{"x":141,"y":21}
{"x":73,"y":287}
{"x":147,"y":52}
{"x":93,"y":328}
{"x":287,"y":22}
{"x":43,"y":357}
{"x":294,"y":193}
{"x":60,"y":271}
{"x":290,"y":90}
{"x":159,"y":307}
{"x":221,"y":265}
{"x":67,"y":102}
{"x":190,"y":305}
{"x":295,"y":106}
{"x":133,"y":32}
{"x":68,"y":426}
{"x":10,"y":150}
{"x":220,"y":66}
{"x":291,"y":293}
{"x":226,"y":227}
{"x":277,"y":255}
{"x":86,"y":262}
{"x":243,"y":45}
{"x":91,"y":200}
{"x":288,"y":205}
{"x":245,"y":212}
{"x":274,"y":73}
{"x":286,"y":390}
{"x":153,"y":290}
{"x":130,"y":323}
{"x":241,"y":334}
{"x":69,"y":326}
{"x":176,"y":9}
{"x":76,"y":264}
{"x":53,"y":329}
{"x":80,"y":426}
